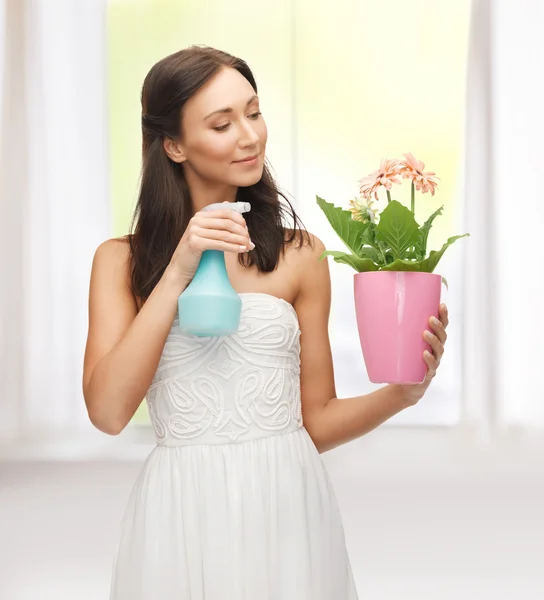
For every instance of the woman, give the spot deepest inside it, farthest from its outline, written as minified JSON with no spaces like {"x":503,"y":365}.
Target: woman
{"x":234,"y":503}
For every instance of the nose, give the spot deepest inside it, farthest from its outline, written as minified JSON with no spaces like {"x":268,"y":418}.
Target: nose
{"x":248,"y":135}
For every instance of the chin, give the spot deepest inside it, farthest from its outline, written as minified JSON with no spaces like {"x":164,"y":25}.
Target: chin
{"x":249,"y":179}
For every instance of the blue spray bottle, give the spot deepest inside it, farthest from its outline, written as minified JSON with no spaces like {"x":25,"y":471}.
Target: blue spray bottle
{"x":209,"y":306}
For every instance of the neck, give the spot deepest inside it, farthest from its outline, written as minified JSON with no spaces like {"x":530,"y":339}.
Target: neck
{"x":204,"y":193}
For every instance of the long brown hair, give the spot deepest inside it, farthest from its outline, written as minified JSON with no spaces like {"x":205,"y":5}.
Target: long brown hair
{"x":164,"y":207}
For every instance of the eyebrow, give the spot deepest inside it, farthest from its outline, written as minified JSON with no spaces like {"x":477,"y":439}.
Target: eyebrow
{"x":229,"y":110}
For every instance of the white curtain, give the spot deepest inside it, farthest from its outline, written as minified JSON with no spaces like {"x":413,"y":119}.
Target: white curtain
{"x":54,"y":206}
{"x":503,"y":352}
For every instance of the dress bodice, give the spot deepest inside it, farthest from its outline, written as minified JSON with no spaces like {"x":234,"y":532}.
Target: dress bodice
{"x":220,"y":390}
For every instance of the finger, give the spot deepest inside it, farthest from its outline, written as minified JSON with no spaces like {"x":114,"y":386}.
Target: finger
{"x":222,"y":224}
{"x":226,"y":247}
{"x":221,"y":235}
{"x":438,"y":329}
{"x":202,"y":244}
{"x":443,"y":315}
{"x":432,"y":363}
{"x":436,"y":345}
{"x":222,"y":214}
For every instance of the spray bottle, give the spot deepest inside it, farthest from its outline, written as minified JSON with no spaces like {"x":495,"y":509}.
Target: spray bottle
{"x":209,"y":306}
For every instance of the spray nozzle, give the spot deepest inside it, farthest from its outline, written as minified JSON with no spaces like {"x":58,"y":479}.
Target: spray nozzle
{"x":239,"y":207}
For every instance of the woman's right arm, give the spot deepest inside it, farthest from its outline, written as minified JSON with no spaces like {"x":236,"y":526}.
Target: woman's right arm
{"x":124,"y":346}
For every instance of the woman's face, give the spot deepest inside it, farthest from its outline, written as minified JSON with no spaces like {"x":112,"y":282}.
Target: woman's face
{"x":223,"y":132}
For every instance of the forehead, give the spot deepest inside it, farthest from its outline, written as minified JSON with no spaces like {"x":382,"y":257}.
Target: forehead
{"x":226,"y":89}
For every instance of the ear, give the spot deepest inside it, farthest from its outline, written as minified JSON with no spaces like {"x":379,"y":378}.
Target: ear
{"x":174,"y":150}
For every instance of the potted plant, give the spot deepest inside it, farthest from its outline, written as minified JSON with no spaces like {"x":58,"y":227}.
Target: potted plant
{"x":395,"y":288}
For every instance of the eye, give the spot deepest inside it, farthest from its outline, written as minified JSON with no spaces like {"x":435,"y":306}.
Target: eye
{"x":221,"y":127}
{"x":255,"y":115}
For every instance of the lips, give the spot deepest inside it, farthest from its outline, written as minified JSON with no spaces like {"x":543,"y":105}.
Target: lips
{"x":247,"y":159}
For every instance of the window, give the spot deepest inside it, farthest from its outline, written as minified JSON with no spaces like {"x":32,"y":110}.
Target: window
{"x":342,"y":84}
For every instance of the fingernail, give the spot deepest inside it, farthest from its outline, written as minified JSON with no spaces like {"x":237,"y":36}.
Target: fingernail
{"x":243,"y":248}
{"x":435,"y":321}
{"x":428,"y":335}
{"x":251,"y":245}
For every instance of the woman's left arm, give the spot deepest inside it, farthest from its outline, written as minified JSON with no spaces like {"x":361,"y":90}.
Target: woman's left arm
{"x":331,"y":421}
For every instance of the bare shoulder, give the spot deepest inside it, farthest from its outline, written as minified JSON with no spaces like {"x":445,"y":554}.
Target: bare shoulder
{"x":114,"y":251}
{"x":304,"y":258}
{"x":111,"y":272}
{"x":112,"y":259}
{"x":306,"y":250}
{"x":303,"y":240}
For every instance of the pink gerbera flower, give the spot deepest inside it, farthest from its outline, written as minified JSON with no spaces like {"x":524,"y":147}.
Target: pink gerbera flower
{"x":386,"y":175}
{"x":414,"y":169}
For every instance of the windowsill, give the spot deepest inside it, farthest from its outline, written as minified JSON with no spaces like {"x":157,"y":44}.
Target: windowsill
{"x":136,"y":442}
{"x":133,"y":444}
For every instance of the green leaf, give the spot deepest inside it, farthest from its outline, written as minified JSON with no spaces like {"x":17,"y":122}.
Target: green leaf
{"x":405,"y":265}
{"x":445,"y":282}
{"x":370,"y":253}
{"x":426,"y":265}
{"x":361,"y":265}
{"x":397,"y":228}
{"x":349,"y":231}
{"x":421,"y":246}
{"x":429,"y":264}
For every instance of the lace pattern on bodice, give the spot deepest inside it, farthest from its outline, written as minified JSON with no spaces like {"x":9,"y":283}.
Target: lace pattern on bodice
{"x":230,"y":389}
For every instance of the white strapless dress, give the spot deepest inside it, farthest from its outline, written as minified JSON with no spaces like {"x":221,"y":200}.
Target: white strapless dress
{"x":234,"y":502}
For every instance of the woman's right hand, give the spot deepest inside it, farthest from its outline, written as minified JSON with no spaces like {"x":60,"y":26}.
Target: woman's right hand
{"x":222,"y":229}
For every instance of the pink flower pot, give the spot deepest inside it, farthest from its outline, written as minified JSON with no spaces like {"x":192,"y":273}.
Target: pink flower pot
{"x":393,"y":310}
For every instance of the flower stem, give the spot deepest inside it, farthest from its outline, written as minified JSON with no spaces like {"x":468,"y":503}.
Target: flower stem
{"x":413,"y":202}
{"x":382,"y":253}
{"x":388,"y":196}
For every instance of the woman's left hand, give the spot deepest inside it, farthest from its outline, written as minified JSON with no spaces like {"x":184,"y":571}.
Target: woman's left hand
{"x":436,"y":336}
